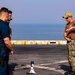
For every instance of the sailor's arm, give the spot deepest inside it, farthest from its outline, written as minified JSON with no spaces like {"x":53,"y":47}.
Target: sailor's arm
{"x":65,"y":36}
{"x":10,"y":32}
{"x":71,"y":30}
{"x":8,"y":44}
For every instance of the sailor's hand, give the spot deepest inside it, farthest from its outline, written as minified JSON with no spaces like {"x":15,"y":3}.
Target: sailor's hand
{"x":68,"y":39}
{"x":11,"y":52}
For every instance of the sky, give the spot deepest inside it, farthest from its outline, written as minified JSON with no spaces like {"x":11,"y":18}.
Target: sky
{"x":39,"y":11}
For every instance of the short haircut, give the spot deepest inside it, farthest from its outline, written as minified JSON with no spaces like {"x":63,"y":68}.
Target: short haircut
{"x":4,"y":9}
{"x":10,"y":12}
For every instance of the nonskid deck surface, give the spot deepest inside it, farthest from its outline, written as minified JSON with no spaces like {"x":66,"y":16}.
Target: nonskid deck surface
{"x":48,"y":59}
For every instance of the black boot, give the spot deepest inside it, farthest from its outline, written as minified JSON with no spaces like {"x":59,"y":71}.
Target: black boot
{"x":68,"y":73}
{"x":73,"y":73}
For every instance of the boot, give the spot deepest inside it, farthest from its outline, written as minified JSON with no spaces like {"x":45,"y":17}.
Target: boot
{"x":68,"y":73}
{"x":73,"y":73}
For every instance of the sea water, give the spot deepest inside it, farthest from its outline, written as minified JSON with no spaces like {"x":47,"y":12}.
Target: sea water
{"x":37,"y":31}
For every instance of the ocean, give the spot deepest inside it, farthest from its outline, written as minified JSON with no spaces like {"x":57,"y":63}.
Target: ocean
{"x":37,"y":31}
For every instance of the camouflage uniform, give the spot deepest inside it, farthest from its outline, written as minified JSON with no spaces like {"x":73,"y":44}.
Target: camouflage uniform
{"x":71,"y":44}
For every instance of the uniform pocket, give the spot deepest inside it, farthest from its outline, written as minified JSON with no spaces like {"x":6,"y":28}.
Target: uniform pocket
{"x":73,"y":53}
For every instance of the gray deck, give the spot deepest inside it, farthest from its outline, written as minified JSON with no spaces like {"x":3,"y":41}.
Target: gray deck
{"x":48,"y":59}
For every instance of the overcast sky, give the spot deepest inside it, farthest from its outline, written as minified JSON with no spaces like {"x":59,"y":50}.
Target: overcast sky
{"x":39,"y":11}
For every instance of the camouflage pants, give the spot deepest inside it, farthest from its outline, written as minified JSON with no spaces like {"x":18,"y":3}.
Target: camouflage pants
{"x":71,"y":54}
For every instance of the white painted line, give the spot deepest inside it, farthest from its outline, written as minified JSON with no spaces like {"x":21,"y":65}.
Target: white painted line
{"x":42,"y":66}
{"x":58,"y":62}
{"x":48,"y":68}
{"x":21,"y":67}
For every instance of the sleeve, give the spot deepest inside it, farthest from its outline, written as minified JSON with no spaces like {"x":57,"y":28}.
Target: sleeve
{"x":65,"y":28}
{"x":5,"y":31}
